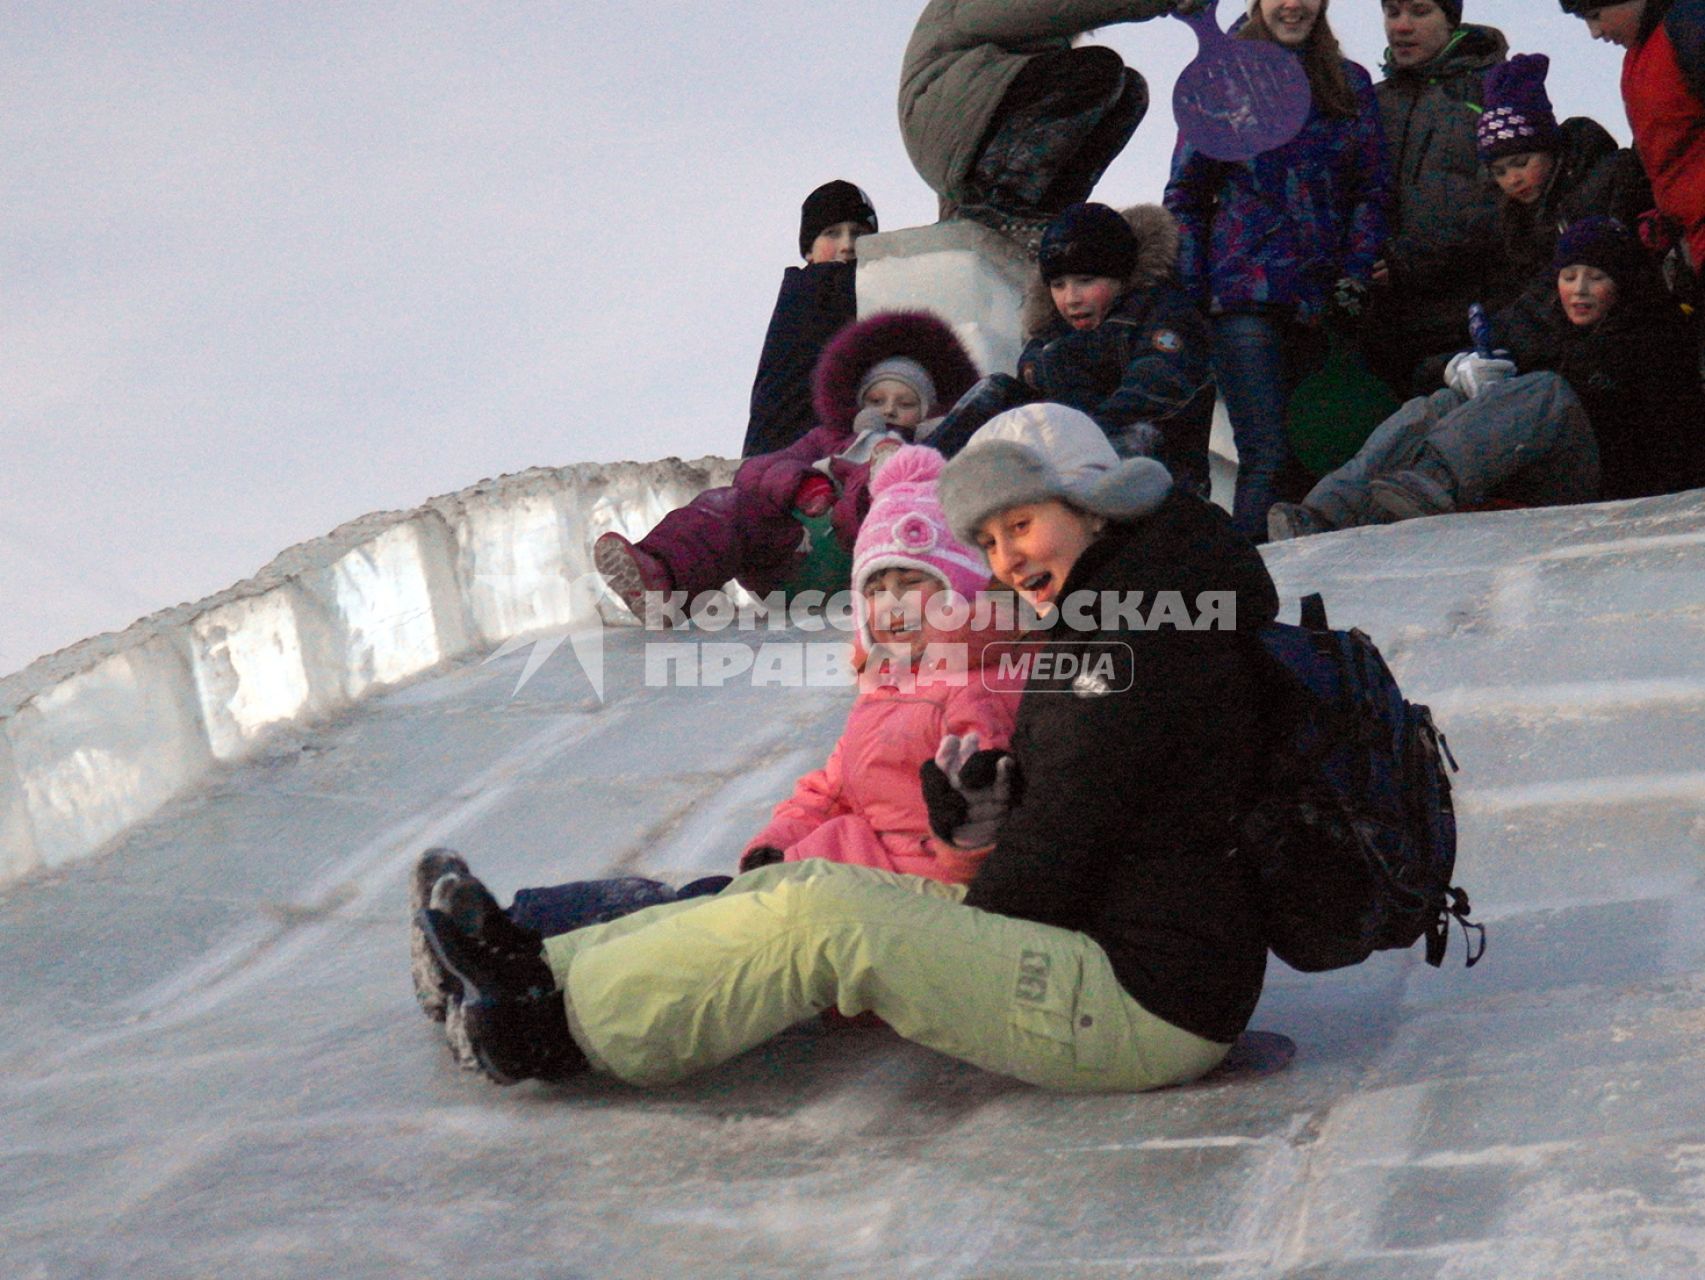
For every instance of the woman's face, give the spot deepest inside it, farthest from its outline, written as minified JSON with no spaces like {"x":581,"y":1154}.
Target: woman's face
{"x":1616,"y":23}
{"x":895,"y":401}
{"x":1416,"y":31}
{"x":1522,"y":177}
{"x":896,"y":600}
{"x":1032,"y":548}
{"x":1587,"y":293}
{"x":1291,"y":22}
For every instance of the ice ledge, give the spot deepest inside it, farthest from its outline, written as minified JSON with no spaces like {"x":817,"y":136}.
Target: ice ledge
{"x":98,"y":736}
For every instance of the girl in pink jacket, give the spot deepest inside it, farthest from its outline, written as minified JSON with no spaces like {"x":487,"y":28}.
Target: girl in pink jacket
{"x":922,"y":697}
{"x":921,"y":681}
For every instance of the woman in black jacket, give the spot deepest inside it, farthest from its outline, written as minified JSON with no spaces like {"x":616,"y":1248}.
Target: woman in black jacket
{"x":1109,"y":942}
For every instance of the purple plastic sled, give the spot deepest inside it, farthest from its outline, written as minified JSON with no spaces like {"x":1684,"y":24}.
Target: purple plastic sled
{"x":1237,"y":98}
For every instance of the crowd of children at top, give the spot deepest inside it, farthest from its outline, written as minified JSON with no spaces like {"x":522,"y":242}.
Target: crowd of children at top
{"x":1398,"y":206}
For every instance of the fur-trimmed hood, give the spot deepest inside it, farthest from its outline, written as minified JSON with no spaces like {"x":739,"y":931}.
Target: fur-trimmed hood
{"x":1157,"y":258}
{"x":916,"y":335}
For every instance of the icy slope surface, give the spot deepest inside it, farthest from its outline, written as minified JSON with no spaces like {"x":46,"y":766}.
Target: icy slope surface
{"x":212,"y":1064}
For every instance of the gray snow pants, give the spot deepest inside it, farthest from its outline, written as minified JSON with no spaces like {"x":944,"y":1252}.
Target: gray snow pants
{"x":1526,"y":439}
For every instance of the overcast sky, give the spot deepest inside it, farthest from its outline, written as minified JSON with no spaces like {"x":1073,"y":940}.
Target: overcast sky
{"x":269,"y":266}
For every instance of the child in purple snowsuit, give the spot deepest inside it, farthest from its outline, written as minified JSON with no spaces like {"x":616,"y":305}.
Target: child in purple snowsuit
{"x":876,"y":382}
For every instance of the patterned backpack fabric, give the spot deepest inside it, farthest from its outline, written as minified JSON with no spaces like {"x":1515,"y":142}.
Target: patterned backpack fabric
{"x":1351,"y":836}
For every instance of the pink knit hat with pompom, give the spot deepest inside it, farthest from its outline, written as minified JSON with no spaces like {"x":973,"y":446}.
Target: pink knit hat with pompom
{"x":906,"y":528}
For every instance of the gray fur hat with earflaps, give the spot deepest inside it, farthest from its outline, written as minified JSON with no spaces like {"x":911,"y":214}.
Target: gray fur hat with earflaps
{"x":1040,"y":452}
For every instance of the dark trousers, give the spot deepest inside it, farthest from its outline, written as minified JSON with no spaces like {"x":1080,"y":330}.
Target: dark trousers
{"x":562,"y":908}
{"x":1060,"y":124}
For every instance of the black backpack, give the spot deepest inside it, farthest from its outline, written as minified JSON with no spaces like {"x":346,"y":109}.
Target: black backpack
{"x":1350,"y":835}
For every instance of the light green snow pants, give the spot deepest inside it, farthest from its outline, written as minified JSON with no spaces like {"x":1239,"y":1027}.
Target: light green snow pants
{"x":676,"y":989}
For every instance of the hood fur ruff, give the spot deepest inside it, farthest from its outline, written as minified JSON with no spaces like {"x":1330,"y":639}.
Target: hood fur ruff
{"x":1157,"y":257}
{"x":1043,"y":451}
{"x":917,"y":335}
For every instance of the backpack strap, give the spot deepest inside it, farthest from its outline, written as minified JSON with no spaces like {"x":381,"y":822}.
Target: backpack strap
{"x":1311,"y":610}
{"x":1438,"y":934}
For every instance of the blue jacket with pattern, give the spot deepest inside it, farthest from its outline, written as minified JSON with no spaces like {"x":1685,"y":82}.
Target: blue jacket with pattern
{"x":1277,"y":232}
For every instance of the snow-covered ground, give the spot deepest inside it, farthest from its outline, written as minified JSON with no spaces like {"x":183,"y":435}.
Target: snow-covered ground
{"x":212,"y":1064}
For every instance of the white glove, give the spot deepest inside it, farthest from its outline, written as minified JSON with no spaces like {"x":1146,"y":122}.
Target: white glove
{"x":985,"y":806}
{"x":1469,"y":373}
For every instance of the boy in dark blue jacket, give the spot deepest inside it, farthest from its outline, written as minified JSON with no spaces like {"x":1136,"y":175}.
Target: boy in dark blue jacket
{"x":816,"y":302}
{"x":1111,"y":333}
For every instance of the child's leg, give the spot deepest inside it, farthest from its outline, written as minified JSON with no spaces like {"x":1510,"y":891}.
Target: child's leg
{"x":680,"y":988}
{"x":1062,"y":121}
{"x":559,"y":908}
{"x":1526,"y":438}
{"x":1253,"y":373}
{"x":1341,"y":496}
{"x":722,"y":534}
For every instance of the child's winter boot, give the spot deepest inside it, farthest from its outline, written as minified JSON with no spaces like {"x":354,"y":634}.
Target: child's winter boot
{"x":511,"y":1011}
{"x":432,"y":986}
{"x":630,"y":571}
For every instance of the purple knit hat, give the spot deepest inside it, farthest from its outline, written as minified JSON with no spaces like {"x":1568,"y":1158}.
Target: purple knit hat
{"x":1608,"y":245}
{"x":1517,"y":115}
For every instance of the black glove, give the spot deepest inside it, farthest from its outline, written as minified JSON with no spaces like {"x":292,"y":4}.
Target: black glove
{"x":968,"y":792}
{"x":760,"y":855}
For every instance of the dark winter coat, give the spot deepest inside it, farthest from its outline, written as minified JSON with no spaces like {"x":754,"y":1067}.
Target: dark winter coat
{"x":1663,"y":88}
{"x":1147,"y":361}
{"x":1443,"y":207}
{"x":814,"y":304}
{"x":965,"y":54}
{"x":1592,"y":175}
{"x":772,"y":479}
{"x":1637,"y":375}
{"x":1124,"y":828}
{"x":1277,"y":232}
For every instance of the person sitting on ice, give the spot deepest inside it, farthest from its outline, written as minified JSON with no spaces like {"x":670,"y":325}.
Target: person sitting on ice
{"x":876,"y":384}
{"x":1110,"y":332}
{"x":816,"y":302}
{"x":924,"y":631}
{"x":1109,"y":940}
{"x":1617,"y":412}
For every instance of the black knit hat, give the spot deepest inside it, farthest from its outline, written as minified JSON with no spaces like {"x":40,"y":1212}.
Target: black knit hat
{"x":1606,"y":244}
{"x":832,"y":203}
{"x":1517,"y":115}
{"x":1581,"y":8}
{"x":1088,"y":240}
{"x":1453,"y":10}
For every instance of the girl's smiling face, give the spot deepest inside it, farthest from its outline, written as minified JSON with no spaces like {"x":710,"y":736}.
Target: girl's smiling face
{"x":1587,"y":294}
{"x":1291,"y":22}
{"x":895,"y":600}
{"x":1032,"y":548}
{"x":895,"y":401}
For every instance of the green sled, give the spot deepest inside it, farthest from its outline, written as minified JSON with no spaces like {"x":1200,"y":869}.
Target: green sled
{"x":827,"y":566}
{"x":1334,"y":410}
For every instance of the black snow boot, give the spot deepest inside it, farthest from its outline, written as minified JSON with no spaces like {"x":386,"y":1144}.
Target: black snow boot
{"x":432,"y":986}
{"x":511,"y":1011}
